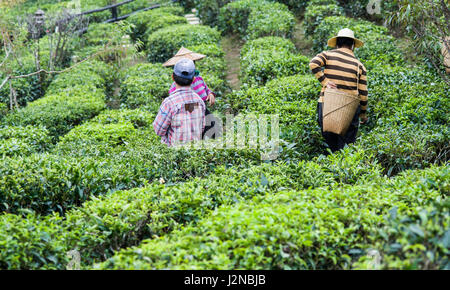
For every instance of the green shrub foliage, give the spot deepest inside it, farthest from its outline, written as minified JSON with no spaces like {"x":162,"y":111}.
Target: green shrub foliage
{"x":105,"y":224}
{"x":294,"y":99}
{"x":164,"y":43}
{"x":77,"y":176}
{"x":252,"y":19}
{"x":23,"y":140}
{"x":145,"y":23}
{"x":61,"y":112}
{"x":27,"y":89}
{"x":146,"y":84}
{"x":102,"y":33}
{"x":72,"y":98}
{"x":208,"y":10}
{"x":413,"y":239}
{"x":263,"y":62}
{"x":309,"y":229}
{"x":316,"y":13}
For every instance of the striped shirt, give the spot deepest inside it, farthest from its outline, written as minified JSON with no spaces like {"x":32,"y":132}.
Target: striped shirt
{"x":181,"y":118}
{"x":198,"y":85}
{"x":341,"y":67}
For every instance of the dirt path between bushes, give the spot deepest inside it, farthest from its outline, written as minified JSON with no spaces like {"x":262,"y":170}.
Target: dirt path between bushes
{"x":232,"y":45}
{"x":303,"y":44}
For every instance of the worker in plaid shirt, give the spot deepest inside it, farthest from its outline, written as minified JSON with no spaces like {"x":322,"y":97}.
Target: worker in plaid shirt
{"x":181,"y":117}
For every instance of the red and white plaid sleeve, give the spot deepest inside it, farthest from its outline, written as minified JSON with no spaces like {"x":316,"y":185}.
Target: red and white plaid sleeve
{"x":163,"y":120}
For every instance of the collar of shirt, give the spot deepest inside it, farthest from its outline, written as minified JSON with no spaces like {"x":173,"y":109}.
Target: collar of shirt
{"x":182,"y":89}
{"x":346,"y":50}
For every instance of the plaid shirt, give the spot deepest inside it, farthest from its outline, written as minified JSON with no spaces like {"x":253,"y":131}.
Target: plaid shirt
{"x":198,"y":85}
{"x":181,"y":117}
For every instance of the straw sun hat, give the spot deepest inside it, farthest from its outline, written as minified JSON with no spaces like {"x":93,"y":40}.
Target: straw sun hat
{"x":184,"y":53}
{"x":345,"y":33}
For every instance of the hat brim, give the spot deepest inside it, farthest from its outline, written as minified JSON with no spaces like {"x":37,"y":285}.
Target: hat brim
{"x":332,"y":42}
{"x":192,"y":56}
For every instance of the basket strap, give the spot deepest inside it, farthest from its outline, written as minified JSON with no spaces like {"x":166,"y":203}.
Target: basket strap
{"x":355,"y":99}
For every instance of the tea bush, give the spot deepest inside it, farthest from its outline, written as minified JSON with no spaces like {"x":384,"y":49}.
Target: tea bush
{"x":297,"y":6}
{"x":408,"y":119}
{"x":123,"y":218}
{"x":259,"y":65}
{"x":165,"y":42}
{"x":214,"y":63}
{"x":91,"y":161}
{"x":3,"y":110}
{"x":108,"y":184}
{"x":294,"y":100}
{"x":140,"y":118}
{"x":418,"y":91}
{"x":268,"y":43}
{"x":94,"y":72}
{"x":145,"y":84}
{"x":43,"y":249}
{"x":417,"y":238}
{"x":309,"y":229}
{"x":316,"y":13}
{"x":208,"y":10}
{"x":102,"y":33}
{"x":59,"y":113}
{"x":23,"y":140}
{"x":404,"y":146}
{"x":150,"y":21}
{"x":109,"y":130}
{"x":252,"y":19}
{"x":111,"y":134}
{"x":166,"y":6}
{"x":322,"y":2}
{"x":73,"y":97}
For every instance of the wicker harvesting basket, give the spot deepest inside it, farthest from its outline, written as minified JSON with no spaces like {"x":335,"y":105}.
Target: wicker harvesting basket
{"x":339,"y":109}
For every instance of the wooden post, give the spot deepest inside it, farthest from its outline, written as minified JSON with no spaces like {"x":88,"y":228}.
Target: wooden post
{"x":114,"y":12}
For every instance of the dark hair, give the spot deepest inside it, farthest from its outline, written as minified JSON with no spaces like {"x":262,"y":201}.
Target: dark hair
{"x":345,"y":41}
{"x":182,"y":81}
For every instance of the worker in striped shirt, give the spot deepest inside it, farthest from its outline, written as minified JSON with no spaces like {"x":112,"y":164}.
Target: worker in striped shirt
{"x":338,"y":69}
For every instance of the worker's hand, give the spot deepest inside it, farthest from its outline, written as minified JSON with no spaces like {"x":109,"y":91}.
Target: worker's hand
{"x":363,"y":119}
{"x":211,"y":98}
{"x":331,"y":85}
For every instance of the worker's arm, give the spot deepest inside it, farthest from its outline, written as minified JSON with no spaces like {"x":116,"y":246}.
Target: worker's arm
{"x":162,"y":120}
{"x":211,"y":96}
{"x":316,"y":65}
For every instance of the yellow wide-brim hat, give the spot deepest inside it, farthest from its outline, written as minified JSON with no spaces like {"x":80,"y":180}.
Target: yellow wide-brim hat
{"x":345,"y":33}
{"x":184,"y":53}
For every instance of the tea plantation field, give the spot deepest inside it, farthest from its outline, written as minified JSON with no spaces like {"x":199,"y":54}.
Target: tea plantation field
{"x":82,"y":169}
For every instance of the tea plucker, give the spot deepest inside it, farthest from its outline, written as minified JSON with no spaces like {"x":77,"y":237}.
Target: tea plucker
{"x":340,"y":69}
